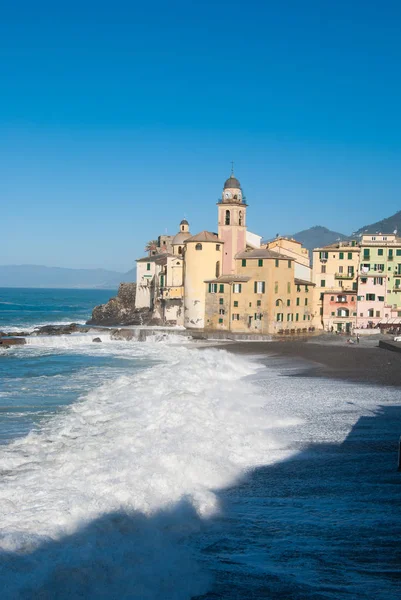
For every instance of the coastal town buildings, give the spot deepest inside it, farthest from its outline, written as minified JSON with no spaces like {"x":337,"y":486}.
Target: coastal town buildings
{"x":227,"y":280}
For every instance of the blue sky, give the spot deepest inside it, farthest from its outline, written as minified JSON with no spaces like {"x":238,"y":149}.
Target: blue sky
{"x":117,"y":119}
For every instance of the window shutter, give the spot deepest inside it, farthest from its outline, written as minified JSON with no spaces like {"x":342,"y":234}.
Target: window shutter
{"x":255,"y":287}
{"x":240,"y":287}
{"x":263,"y":287}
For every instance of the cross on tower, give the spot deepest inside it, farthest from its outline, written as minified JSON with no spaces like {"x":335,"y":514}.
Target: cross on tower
{"x":232,"y":168}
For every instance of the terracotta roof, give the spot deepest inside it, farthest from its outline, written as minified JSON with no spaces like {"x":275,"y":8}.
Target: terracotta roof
{"x":155,"y":258}
{"x":204,"y":236}
{"x":262,"y":253}
{"x":229,"y":279}
{"x":304,"y":282}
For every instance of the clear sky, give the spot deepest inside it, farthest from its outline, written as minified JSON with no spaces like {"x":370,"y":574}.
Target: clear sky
{"x":117,"y":119}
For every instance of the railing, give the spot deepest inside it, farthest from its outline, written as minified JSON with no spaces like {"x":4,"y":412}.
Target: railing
{"x":344,"y":276}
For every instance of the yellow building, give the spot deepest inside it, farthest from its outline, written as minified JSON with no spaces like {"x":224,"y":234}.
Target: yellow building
{"x":263,"y":296}
{"x":335,"y":274}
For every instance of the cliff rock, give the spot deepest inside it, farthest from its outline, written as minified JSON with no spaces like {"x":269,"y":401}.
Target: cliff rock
{"x":121,"y":310}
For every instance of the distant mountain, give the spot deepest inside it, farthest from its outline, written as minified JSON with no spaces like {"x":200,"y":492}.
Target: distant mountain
{"x":385,"y":226}
{"x":58,"y":277}
{"x":318,"y":236}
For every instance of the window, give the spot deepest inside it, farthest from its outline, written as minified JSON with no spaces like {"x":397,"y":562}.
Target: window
{"x":179,"y":249}
{"x":276,"y":287}
{"x":323,"y":270}
{"x":258,"y":316}
{"x":161,"y":280}
{"x":198,"y":247}
{"x":397,"y":283}
{"x":280,"y":317}
{"x":341,"y":256}
{"x":304,"y":317}
{"x":235,"y":317}
{"x":221,"y":288}
{"x":218,"y":270}
{"x":323,"y":283}
{"x":259,"y":287}
{"x":228,"y":218}
{"x":276,"y":262}
{"x":398,"y":252}
{"x":235,"y":303}
{"x":378,"y":313}
{"x":323,"y":255}
{"x":371,"y":312}
{"x":355,"y":286}
{"x":297,"y":317}
{"x":220,"y":320}
{"x":363,"y":280}
{"x":370,"y":297}
{"x":259,"y":303}
{"x":218,"y":247}
{"x":221,"y":311}
{"x":237,"y":288}
{"x":333,"y":314}
{"x":289,"y":264}
{"x":378,"y":267}
{"x":288,"y":302}
{"x":366,"y":253}
{"x":278,"y":302}
{"x":240,"y":216}
{"x":250,"y":304}
{"x":380,"y":252}
{"x":260,"y":262}
{"x":341,"y":269}
{"x":377,"y":280}
{"x":299,"y":288}
{"x":350,"y":271}
{"x":288,"y":287}
{"x":289,"y":317}
{"x":297,"y":302}
{"x":342,"y":312}
{"x":221,"y":300}
{"x":148,"y":267}
{"x":306,"y":301}
{"x":306,"y":288}
{"x":352,"y":298}
{"x":213,"y":288}
{"x":380,"y":298}
{"x":349,"y":255}
{"x":390,"y":253}
{"x":243,"y":262}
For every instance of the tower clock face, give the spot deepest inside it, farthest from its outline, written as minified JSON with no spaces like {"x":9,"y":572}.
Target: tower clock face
{"x":228,"y":195}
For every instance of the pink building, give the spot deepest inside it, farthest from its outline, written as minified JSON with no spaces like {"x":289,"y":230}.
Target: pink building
{"x":339,"y":310}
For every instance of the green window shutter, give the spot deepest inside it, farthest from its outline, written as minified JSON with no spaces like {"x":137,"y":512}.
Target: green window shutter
{"x":390,"y":253}
{"x":398,"y":252}
{"x":263,"y":287}
{"x":355,"y":286}
{"x":297,"y":317}
{"x":243,"y":263}
{"x":288,"y":288}
{"x":221,"y":288}
{"x":349,"y":255}
{"x":297,"y":301}
{"x":260,"y":262}
{"x":380,"y":252}
{"x":341,"y":255}
{"x":148,"y":267}
{"x":210,"y":287}
{"x":235,"y":303}
{"x":323,"y":283}
{"x":240,"y":287}
{"x":255,"y":287}
{"x":221,"y":301}
{"x":288,"y":302}
{"x":276,"y":262}
{"x":289,"y":264}
{"x":306,"y":301}
{"x":220,"y":320}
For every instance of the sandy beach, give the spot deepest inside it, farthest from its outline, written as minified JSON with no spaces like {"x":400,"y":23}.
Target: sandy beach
{"x":332,"y":356}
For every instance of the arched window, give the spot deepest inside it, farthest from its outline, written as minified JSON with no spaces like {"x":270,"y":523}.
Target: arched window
{"x":240,"y":217}
{"x":198,"y":247}
{"x":235,"y":197}
{"x":179,"y":250}
{"x":218,"y":268}
{"x":228,"y":217}
{"x":182,"y":227}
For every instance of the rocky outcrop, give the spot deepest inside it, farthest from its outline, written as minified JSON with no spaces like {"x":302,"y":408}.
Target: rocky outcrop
{"x":6,"y":342}
{"x":121,"y":310}
{"x":59,"y":329}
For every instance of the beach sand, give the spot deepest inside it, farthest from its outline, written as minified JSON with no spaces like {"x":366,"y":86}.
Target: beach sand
{"x":331,"y":356}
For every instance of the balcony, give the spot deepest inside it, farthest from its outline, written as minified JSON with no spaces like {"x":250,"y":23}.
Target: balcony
{"x":344,"y":276}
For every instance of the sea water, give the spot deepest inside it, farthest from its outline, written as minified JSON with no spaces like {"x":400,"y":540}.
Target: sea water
{"x":171,"y":470}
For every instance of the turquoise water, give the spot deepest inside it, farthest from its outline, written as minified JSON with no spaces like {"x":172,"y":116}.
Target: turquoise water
{"x":163,"y":471}
{"x":25,"y":308}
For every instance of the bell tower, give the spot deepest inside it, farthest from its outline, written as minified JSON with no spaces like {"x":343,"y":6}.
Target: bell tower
{"x":232,"y":222}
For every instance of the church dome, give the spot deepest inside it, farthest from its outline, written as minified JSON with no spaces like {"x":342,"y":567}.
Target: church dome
{"x":180,"y":237}
{"x":232,"y":182}
{"x":184,"y":222}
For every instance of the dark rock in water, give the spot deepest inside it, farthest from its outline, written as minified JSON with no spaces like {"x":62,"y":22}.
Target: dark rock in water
{"x":97,"y":340}
{"x":59,"y":329}
{"x":12,"y":341}
{"x":126,"y":335}
{"x":121,"y":310}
